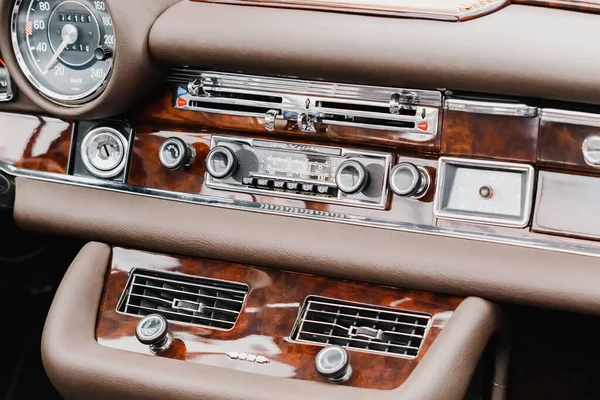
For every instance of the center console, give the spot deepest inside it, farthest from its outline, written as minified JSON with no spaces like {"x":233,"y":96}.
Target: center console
{"x":165,"y":321}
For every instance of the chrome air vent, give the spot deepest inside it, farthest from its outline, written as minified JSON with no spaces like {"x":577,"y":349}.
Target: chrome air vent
{"x":362,"y":327}
{"x":183,"y":298}
{"x":308,"y":102}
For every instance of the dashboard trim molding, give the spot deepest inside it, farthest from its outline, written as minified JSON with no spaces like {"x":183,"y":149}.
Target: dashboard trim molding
{"x":569,"y":117}
{"x":490,"y":107}
{"x":91,"y":183}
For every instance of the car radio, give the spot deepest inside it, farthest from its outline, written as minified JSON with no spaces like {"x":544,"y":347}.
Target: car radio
{"x":302,"y":171}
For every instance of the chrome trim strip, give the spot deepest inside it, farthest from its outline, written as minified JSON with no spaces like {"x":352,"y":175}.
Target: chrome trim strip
{"x":570,"y":117}
{"x":550,"y":244}
{"x":438,"y":212}
{"x":254,"y":84}
{"x":490,"y":107}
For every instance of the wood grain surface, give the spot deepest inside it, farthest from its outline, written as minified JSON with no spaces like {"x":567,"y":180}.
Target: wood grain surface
{"x":266,"y":322}
{"x":35,"y":143}
{"x":560,"y":146}
{"x":146,"y":170}
{"x":490,"y":136}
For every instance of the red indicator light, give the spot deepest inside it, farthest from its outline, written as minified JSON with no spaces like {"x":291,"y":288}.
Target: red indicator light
{"x":181,"y":103}
{"x":423,"y":126}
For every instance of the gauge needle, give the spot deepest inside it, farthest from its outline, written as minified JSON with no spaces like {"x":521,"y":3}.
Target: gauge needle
{"x":69,"y":35}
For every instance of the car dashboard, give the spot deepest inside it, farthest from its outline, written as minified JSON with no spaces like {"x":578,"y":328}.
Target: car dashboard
{"x":314,"y":198}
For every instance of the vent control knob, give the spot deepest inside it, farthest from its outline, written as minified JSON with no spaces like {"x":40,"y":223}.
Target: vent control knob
{"x":408,"y":180}
{"x":221,"y":162}
{"x":153,"y":330}
{"x":351,"y":177}
{"x":174,"y":153}
{"x":333,"y":362}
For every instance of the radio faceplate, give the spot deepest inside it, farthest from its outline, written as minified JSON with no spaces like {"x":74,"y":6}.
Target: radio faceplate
{"x":300,"y":171}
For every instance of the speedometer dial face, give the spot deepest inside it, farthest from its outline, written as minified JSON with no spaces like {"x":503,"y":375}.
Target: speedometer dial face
{"x":64,"y":47}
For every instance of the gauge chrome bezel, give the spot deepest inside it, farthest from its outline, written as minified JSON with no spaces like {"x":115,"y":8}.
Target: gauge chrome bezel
{"x":492,"y":219}
{"x":87,"y":162}
{"x":46,"y":92}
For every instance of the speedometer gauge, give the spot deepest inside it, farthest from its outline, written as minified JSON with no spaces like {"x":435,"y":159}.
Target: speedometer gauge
{"x":64,"y":47}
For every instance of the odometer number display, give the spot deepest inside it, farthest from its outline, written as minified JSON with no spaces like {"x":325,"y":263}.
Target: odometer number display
{"x":64,"y":47}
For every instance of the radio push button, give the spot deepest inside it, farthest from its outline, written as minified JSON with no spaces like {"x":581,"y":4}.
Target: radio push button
{"x":279,"y":185}
{"x":249,"y":181}
{"x":308,"y":187}
{"x":264,"y":183}
{"x":291,"y":186}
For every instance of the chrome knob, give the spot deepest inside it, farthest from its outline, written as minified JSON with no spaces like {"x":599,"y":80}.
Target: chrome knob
{"x":408,"y":180}
{"x":103,"y":52}
{"x":221,"y":162}
{"x":351,"y":177}
{"x":591,"y":150}
{"x":174,"y":153}
{"x":333,"y":362}
{"x":153,"y":330}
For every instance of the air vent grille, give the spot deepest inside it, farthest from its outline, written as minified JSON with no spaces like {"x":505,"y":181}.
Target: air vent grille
{"x":362,"y":327}
{"x":359,"y":106}
{"x":183,"y":298}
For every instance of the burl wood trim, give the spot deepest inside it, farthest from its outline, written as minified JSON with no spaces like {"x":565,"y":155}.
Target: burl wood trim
{"x":266,"y":322}
{"x":147,"y":171}
{"x":560,"y":146}
{"x":35,"y":143}
{"x":490,"y":136}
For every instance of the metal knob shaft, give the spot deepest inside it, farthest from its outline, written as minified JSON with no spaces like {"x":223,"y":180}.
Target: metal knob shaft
{"x":153,"y":330}
{"x":333,"y":362}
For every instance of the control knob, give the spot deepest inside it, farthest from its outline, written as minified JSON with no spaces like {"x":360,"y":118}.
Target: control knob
{"x":408,"y":180}
{"x":351,"y":177}
{"x":103,"y":52}
{"x":174,"y":153}
{"x":221,"y":162}
{"x":333,"y":362}
{"x":153,"y":330}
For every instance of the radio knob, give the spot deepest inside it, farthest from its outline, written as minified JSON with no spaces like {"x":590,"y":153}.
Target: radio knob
{"x":351,"y":177}
{"x":221,"y":162}
{"x":408,"y":180}
{"x":174,"y":153}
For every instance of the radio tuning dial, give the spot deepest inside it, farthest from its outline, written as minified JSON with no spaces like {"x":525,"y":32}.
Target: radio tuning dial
{"x":174,"y":153}
{"x":351,"y":177}
{"x":221,"y":162}
{"x":408,"y":180}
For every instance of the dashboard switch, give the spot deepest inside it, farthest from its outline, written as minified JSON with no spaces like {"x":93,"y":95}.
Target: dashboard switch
{"x":333,"y":362}
{"x":221,"y":163}
{"x":153,"y":330}
{"x":408,"y":180}
{"x":174,"y":153}
{"x":351,"y":177}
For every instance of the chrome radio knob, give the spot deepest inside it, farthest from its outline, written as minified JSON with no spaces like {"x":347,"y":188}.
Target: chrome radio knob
{"x":351,"y":177}
{"x":153,"y":330}
{"x":221,"y":162}
{"x":408,"y":180}
{"x":174,"y":153}
{"x":333,"y":362}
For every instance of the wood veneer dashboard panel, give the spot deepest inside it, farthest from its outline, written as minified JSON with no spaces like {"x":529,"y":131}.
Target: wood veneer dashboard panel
{"x":497,"y":137}
{"x":162,"y":111}
{"x":560,"y":146}
{"x":146,"y":170}
{"x":35,"y":143}
{"x":267,"y":319}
